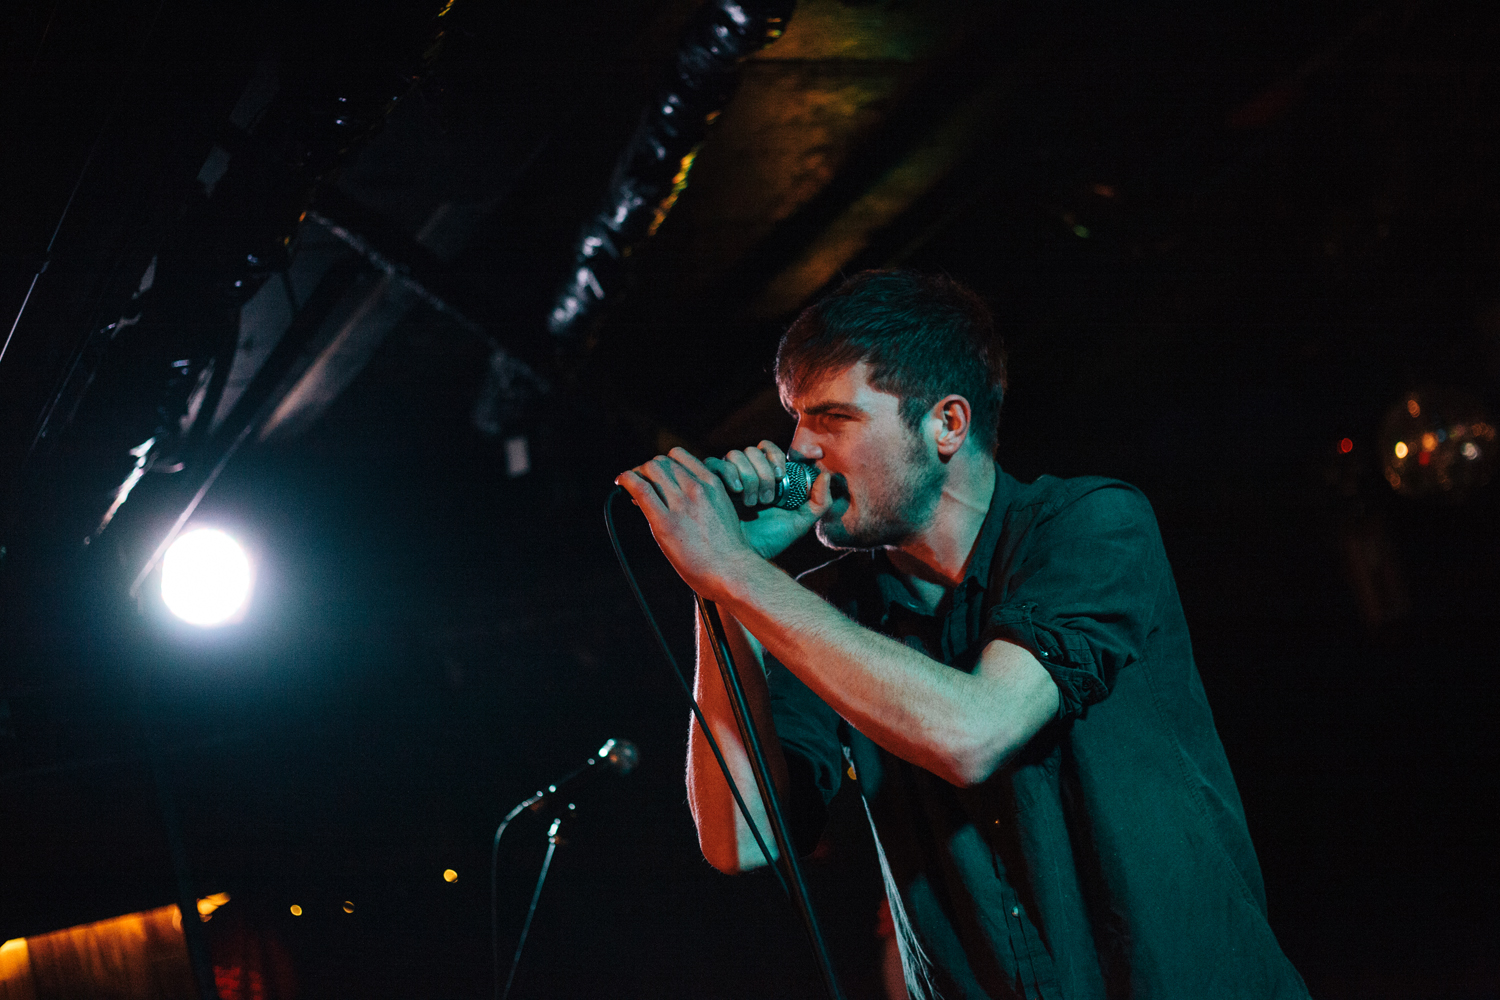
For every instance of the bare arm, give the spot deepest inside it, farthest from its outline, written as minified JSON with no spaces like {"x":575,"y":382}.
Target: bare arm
{"x":960,"y":726}
{"x":722,"y":833}
{"x":957,"y":725}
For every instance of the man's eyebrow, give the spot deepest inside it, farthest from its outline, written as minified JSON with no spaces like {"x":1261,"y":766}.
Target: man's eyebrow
{"x":818,"y":409}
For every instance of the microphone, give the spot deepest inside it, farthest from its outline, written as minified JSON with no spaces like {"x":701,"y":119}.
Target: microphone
{"x":793,"y":488}
{"x":619,"y":756}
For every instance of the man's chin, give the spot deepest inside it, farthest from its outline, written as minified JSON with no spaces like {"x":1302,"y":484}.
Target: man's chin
{"x":834,"y":534}
{"x":830,"y":527}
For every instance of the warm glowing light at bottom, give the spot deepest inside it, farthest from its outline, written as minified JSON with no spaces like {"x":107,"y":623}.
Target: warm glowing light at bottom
{"x":208,"y":904}
{"x":348,"y":906}
{"x":296,"y":910}
{"x":449,"y":875}
{"x":1401,"y":449}
{"x":94,"y":960}
{"x":15,"y":960}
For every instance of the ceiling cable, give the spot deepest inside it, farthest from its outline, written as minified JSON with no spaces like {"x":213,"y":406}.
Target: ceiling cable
{"x":83,"y":172}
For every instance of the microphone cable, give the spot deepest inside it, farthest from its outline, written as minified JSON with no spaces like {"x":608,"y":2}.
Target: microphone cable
{"x":640,"y":599}
{"x":792,"y":882}
{"x":687,"y":689}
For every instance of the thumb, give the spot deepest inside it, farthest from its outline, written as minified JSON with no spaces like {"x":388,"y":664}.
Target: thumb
{"x":820,"y":497}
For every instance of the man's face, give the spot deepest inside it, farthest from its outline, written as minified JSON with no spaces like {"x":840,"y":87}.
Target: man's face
{"x":887,"y":479}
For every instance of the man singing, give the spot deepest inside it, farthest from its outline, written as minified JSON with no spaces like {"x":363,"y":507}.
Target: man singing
{"x":1004,"y":667}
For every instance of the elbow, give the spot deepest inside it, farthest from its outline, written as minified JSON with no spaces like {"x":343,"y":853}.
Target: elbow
{"x":717,"y":845}
{"x":979,"y":744}
{"x":719,"y":838}
{"x":731,"y":858}
{"x":721,"y":856}
{"x":974,"y":761}
{"x":969,"y":773}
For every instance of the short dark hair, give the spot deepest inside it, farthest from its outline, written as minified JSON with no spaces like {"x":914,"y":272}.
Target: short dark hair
{"x":925,"y":336}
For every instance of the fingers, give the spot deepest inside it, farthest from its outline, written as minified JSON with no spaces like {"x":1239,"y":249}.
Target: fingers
{"x":656,"y":478}
{"x":752,"y":473}
{"x":643,"y":492}
{"x":668,"y":479}
{"x":776,"y":455}
{"x":694,"y":467}
{"x":765,"y":473}
{"x":748,"y":480}
{"x":727,"y":474}
{"x":662,"y":472}
{"x":694,"y":473}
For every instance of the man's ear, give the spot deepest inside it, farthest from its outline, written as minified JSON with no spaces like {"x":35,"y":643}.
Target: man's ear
{"x":954,"y":420}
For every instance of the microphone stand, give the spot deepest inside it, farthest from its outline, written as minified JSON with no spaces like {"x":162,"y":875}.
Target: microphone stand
{"x":788,"y":871}
{"x":615,"y":755}
{"x":788,"y":860}
{"x":554,"y":840}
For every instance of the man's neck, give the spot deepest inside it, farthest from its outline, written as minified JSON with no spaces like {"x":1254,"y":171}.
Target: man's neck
{"x":935,"y":559}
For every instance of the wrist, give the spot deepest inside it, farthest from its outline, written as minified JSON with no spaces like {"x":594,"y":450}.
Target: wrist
{"x":742,"y":578}
{"x":769,"y":551}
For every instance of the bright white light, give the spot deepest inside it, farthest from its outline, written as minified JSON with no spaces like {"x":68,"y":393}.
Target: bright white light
{"x":205,"y":577}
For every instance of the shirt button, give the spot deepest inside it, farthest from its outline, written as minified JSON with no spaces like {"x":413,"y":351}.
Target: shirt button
{"x":1044,"y":652}
{"x":1015,"y":911}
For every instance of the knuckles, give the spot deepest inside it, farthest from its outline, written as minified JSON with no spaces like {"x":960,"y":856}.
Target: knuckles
{"x":739,"y":471}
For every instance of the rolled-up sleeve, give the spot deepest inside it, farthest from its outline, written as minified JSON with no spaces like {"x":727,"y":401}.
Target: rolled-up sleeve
{"x":1082,"y":593}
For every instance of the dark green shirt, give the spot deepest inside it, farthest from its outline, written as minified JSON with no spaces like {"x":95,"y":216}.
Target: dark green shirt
{"x":1110,"y":857}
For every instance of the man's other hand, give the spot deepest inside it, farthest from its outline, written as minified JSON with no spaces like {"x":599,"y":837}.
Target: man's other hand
{"x":751,"y":476}
{"x":692,"y":518}
{"x":692,"y":511}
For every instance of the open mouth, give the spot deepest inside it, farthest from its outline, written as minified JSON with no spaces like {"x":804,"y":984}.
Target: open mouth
{"x":839,"y":490}
{"x":838,"y":486}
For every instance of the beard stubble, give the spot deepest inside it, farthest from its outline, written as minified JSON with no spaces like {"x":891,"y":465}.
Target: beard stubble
{"x":895,"y":513}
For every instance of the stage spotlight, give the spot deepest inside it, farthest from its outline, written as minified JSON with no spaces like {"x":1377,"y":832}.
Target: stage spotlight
{"x":205,"y":577}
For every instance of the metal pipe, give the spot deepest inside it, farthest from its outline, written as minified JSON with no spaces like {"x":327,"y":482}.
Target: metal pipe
{"x":652,"y":169}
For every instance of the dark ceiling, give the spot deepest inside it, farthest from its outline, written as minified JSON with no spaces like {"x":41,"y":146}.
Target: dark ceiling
{"x":1221,"y":239}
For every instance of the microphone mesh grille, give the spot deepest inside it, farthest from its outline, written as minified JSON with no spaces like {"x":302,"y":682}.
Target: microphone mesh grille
{"x":792,"y":488}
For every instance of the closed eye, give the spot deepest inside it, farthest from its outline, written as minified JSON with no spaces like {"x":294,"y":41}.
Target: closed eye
{"x":826,"y":420}
{"x":829,"y":414}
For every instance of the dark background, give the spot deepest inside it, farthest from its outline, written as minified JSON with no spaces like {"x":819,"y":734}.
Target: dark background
{"x":1221,"y":238}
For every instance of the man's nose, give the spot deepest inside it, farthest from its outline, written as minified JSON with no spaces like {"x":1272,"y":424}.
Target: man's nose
{"x":805,"y":445}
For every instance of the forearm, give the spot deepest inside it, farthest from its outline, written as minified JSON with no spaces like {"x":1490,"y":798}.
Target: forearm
{"x":958,"y":725}
{"x":723,"y":835}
